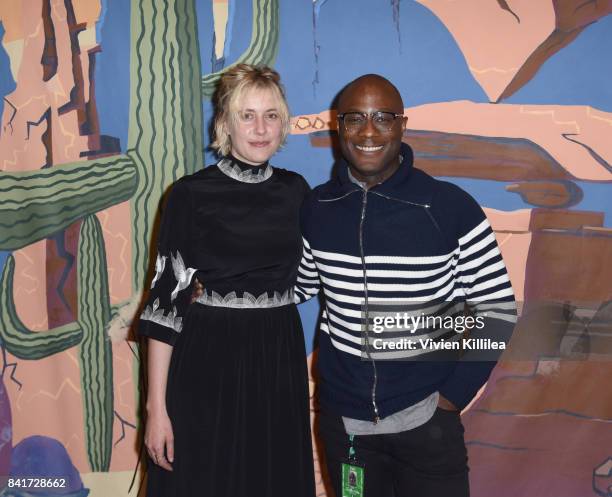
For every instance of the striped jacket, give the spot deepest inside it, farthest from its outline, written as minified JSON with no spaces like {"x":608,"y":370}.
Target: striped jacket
{"x":420,"y":245}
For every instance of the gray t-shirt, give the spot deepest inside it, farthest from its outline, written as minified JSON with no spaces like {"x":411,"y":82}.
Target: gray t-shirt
{"x":407,"y":419}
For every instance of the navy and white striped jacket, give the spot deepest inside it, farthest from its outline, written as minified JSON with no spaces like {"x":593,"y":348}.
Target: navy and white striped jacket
{"x":411,"y":239}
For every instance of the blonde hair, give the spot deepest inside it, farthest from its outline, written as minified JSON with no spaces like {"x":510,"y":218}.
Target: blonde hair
{"x":233,"y":85}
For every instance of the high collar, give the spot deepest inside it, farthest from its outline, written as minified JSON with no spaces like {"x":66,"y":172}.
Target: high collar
{"x":245,"y":166}
{"x":407,"y":183}
{"x":244,"y":172}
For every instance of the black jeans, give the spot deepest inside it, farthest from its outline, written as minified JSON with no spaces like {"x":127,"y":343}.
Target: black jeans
{"x":428,"y":461}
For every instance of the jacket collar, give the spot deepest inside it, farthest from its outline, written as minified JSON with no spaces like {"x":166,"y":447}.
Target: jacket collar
{"x":406,"y":184}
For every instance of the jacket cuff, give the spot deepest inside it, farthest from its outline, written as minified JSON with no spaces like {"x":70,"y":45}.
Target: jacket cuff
{"x":465,"y":381}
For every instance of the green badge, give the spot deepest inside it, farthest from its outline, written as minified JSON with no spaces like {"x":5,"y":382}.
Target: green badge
{"x":352,"y":480}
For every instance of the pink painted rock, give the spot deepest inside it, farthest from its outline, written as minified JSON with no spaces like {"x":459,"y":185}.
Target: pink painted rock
{"x":536,"y":30}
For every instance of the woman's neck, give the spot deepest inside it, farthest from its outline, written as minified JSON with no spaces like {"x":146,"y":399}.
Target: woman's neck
{"x":246,"y":165}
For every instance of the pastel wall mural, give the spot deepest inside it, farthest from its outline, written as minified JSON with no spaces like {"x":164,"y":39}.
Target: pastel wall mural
{"x":106,"y":103}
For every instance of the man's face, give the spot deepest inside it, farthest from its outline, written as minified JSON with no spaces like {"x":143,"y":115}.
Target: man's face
{"x":372,"y":153}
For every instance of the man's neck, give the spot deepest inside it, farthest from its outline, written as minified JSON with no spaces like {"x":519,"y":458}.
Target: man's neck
{"x":367,"y":182}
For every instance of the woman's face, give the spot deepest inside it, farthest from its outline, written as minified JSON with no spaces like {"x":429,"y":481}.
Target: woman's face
{"x":257,"y":128}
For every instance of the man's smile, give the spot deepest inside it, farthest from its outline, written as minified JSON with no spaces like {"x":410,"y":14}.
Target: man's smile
{"x":364,"y":148}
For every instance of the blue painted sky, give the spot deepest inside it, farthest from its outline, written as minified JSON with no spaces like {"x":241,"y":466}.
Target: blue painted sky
{"x":351,"y":41}
{"x":579,"y":74}
{"x":113,"y":70}
{"x":7,"y":83}
{"x":3,"y":256}
{"x":493,"y":194}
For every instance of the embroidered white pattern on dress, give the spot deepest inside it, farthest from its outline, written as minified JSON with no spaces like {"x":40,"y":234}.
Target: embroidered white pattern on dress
{"x":181,"y":274}
{"x":233,"y":171}
{"x":247,"y":301}
{"x":156,"y":314}
{"x":160,"y":264}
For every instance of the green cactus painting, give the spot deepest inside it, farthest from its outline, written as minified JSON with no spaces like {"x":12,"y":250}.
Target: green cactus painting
{"x":165,"y":143}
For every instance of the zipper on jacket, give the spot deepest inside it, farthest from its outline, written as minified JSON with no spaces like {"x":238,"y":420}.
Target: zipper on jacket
{"x":364,"y":204}
{"x":427,"y":208}
{"x":337,"y":198}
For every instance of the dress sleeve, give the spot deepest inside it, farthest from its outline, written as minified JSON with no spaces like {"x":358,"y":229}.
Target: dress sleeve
{"x":169,"y":294}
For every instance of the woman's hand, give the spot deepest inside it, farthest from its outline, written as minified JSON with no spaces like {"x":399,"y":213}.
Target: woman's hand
{"x":159,"y":436}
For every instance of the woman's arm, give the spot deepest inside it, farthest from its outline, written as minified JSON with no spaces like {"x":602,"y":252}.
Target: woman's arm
{"x":159,"y":437}
{"x":161,"y":321}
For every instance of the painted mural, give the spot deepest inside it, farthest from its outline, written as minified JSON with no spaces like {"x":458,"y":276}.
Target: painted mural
{"x":106,"y":102}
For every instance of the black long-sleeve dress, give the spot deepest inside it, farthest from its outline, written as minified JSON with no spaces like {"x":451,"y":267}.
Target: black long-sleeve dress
{"x":237,"y":391}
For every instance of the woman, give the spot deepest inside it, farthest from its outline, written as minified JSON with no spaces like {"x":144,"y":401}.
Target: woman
{"x":228,"y":392}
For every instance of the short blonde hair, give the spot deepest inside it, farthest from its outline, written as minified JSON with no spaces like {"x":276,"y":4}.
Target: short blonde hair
{"x":233,"y":85}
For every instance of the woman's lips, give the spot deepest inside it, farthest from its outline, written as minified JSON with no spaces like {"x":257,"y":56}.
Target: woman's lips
{"x":259,"y":144}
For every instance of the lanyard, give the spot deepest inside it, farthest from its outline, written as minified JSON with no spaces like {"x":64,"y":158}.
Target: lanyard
{"x":351,"y":448}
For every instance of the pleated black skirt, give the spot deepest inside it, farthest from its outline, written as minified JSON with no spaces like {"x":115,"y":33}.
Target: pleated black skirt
{"x":237,"y":397}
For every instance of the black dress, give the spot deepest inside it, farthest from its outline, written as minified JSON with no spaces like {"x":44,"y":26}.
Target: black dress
{"x":237,"y":391}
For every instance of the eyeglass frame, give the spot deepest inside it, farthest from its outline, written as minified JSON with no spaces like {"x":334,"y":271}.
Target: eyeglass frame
{"x":369,"y":116}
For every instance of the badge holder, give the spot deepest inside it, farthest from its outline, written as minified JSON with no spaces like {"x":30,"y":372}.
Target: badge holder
{"x":352,"y":474}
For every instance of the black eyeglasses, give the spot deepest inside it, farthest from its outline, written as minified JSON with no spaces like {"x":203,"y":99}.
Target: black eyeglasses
{"x":382,"y":121}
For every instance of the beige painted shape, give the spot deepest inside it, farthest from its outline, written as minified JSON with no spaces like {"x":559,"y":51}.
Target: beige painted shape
{"x":494,"y":44}
{"x":220,"y":14}
{"x":14,"y":51}
{"x":87,"y":40}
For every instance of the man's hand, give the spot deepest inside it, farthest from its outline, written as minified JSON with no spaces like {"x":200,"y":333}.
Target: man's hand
{"x":447,"y":405}
{"x":198,"y":290}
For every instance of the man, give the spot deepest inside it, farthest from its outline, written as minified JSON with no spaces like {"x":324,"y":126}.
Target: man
{"x":386,"y":233}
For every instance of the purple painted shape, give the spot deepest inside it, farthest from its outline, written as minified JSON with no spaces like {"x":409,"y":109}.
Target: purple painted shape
{"x":43,"y":457}
{"x":6,"y":432}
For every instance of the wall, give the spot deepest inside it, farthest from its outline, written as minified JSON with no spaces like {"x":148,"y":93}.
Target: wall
{"x":100,"y":113}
